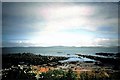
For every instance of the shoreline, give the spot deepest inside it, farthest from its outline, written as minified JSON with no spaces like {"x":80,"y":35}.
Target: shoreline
{"x":31,"y":59}
{"x":38,"y":64}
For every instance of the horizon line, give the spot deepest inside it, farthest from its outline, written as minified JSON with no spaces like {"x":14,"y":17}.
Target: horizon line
{"x":58,"y":46}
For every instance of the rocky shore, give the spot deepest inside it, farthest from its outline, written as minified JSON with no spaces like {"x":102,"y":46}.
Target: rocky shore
{"x":26,"y":66}
{"x":28,"y":58}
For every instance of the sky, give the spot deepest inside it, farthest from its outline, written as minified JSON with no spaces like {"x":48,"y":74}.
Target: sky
{"x":59,"y":24}
{"x":60,"y":0}
{"x":0,"y":25}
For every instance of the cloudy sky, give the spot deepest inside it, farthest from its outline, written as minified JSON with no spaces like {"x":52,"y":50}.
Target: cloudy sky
{"x":60,"y":24}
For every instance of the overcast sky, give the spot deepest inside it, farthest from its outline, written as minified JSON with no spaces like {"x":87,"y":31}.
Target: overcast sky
{"x":60,"y":0}
{"x":60,"y":24}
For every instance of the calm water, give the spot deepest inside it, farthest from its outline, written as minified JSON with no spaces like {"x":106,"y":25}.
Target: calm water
{"x":60,"y":51}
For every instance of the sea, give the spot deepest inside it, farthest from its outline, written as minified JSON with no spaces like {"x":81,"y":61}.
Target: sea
{"x":59,"y":50}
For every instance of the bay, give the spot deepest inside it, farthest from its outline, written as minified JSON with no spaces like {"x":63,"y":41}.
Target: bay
{"x":59,"y":50}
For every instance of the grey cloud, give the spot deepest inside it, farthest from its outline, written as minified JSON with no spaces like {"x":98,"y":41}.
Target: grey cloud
{"x":19,"y":19}
{"x":60,"y":0}
{"x":108,"y":42}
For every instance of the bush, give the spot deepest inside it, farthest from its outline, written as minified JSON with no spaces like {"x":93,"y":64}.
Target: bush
{"x":58,"y":75}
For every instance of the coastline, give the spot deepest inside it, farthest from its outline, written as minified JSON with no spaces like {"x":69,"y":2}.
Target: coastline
{"x":39,"y":64}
